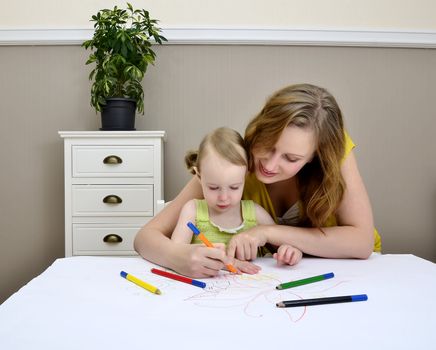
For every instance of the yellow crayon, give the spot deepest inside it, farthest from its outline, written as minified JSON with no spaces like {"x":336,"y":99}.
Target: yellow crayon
{"x":140,"y":283}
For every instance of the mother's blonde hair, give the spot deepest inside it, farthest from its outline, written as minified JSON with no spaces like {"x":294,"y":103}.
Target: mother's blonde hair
{"x":320,"y":182}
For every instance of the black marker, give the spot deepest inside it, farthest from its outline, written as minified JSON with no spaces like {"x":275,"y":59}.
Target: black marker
{"x":321,"y":301}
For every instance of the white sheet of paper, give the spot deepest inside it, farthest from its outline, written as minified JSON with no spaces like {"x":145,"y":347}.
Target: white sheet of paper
{"x":83,"y":303}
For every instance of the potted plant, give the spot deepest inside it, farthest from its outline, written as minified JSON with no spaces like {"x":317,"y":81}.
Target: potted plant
{"x":121,"y":51}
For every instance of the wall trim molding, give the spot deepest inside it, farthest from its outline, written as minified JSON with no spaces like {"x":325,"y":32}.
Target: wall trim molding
{"x":229,"y":36}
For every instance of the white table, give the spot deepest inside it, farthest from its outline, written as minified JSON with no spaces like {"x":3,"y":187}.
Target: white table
{"x":83,"y":303}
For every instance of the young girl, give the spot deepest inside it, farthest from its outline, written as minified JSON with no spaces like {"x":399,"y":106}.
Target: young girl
{"x":302,"y":171}
{"x":221,"y":166}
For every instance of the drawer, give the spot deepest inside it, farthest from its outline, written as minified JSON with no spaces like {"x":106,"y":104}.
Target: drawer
{"x":104,"y":240}
{"x":112,"y":200}
{"x":109,"y":161}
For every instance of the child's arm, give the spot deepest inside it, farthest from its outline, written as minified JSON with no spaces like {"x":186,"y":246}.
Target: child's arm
{"x":182,"y":233}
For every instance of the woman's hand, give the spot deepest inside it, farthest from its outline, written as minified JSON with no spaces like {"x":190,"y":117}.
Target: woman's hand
{"x":244,"y":245}
{"x":288,"y":255}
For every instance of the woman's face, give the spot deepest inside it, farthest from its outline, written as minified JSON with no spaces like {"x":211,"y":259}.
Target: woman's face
{"x":294,"y":148}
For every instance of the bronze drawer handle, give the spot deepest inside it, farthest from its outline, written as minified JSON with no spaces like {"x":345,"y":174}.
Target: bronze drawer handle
{"x":112,"y":199}
{"x":112,"y":238}
{"x":112,"y":160}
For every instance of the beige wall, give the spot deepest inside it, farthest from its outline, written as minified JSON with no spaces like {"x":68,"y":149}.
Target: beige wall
{"x":387,"y":96}
{"x":345,"y":14}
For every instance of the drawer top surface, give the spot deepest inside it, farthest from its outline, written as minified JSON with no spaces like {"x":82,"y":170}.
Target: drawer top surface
{"x":112,"y":134}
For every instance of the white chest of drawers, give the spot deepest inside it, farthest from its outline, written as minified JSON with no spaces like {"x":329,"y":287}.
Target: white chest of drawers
{"x":113,"y":181}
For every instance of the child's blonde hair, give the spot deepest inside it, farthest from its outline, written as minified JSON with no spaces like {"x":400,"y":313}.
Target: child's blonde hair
{"x":226,"y":142}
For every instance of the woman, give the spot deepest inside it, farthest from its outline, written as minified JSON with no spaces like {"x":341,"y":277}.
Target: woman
{"x":303,"y":172}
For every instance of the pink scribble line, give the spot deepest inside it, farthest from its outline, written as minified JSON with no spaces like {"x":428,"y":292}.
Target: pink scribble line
{"x":252,"y":300}
{"x":215,"y":291}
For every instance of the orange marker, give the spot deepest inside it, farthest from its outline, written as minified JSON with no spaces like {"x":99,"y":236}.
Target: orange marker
{"x":203,"y":238}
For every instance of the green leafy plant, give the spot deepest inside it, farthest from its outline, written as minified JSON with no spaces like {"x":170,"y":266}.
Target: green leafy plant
{"x":121,"y":51}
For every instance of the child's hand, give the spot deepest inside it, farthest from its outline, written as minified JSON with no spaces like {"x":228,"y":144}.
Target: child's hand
{"x":243,"y":246}
{"x":246,"y":267}
{"x":221,"y":246}
{"x":241,"y":266}
{"x":288,"y":255}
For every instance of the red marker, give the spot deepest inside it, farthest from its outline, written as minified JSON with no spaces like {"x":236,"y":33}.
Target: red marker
{"x":179,"y":278}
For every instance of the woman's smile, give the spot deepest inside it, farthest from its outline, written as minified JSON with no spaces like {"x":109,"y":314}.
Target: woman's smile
{"x":265,"y":172}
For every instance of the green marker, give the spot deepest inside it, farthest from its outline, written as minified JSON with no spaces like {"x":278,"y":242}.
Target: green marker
{"x":305,"y":281}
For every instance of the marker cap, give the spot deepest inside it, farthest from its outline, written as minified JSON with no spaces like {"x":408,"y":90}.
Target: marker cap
{"x":359,"y":297}
{"x":193,"y":228}
{"x":198,"y":284}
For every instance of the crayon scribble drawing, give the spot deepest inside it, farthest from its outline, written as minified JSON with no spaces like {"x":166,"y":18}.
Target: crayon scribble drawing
{"x":256,"y":295}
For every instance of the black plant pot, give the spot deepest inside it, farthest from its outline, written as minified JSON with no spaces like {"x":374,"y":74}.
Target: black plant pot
{"x":118,"y":114}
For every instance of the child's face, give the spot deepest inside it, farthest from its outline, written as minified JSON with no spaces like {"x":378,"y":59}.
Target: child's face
{"x":222,"y":182}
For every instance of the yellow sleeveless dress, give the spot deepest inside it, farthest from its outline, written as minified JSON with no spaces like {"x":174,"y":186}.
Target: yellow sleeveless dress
{"x":216,"y":234}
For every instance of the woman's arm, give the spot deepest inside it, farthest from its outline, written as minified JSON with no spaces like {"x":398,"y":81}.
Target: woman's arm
{"x":286,"y":254}
{"x":352,"y":238}
{"x":262,"y":216}
{"x":153,"y":242}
